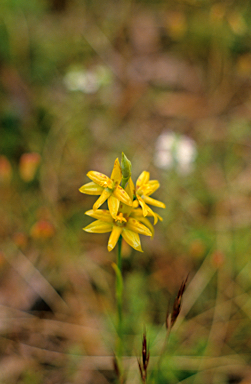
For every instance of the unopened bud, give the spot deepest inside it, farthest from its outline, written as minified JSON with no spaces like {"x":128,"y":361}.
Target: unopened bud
{"x":126,"y":168}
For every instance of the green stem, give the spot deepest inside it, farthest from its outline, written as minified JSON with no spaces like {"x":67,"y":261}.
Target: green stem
{"x":119,"y":293}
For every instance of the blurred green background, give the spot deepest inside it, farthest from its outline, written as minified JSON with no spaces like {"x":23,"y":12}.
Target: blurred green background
{"x":169,"y":84}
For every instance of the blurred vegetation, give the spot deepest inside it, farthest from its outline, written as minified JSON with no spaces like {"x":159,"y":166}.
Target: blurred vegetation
{"x":80,"y":82}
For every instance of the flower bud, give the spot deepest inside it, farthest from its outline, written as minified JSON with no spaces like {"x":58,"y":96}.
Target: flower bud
{"x":126,"y":168}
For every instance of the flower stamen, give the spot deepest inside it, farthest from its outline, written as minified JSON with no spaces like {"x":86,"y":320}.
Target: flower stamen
{"x":120,"y":220}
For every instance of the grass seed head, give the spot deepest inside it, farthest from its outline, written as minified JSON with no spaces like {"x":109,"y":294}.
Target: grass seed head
{"x":172,"y":317}
{"x":145,"y":359}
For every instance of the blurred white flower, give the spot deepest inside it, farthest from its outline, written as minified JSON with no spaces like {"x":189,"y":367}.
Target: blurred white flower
{"x":175,"y":151}
{"x":87,"y":81}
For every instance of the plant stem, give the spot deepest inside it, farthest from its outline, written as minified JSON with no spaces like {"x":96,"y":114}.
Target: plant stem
{"x":119,"y":295}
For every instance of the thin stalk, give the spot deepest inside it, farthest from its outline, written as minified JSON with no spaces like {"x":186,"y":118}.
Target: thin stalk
{"x":163,"y":349}
{"x":119,"y":293}
{"x":119,"y":296}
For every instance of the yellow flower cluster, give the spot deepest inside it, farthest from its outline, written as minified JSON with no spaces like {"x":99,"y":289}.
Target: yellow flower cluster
{"x":127,"y":207}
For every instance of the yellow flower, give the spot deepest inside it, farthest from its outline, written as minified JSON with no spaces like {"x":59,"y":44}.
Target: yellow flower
{"x":108,"y":188}
{"x":144,"y":188}
{"x":138,"y":215}
{"x":127,"y":207}
{"x":128,"y":227}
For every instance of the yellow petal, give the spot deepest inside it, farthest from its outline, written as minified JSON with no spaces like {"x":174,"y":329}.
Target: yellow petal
{"x":91,"y":189}
{"x":114,"y":236}
{"x":103,"y":197}
{"x":135,"y":226}
{"x":159,"y":217}
{"x":98,"y":226}
{"x":142,"y":179}
{"x":150,"y":187}
{"x":154,"y":182}
{"x":132,"y":239}
{"x":147,"y":223}
{"x":154,"y":202}
{"x":138,"y":214}
{"x":151,"y":213}
{"x":113,"y":205}
{"x":130,"y":189}
{"x":122,"y":195}
{"x":143,"y":205}
{"x":100,"y":214}
{"x":155,"y":217}
{"x":116,"y":175}
{"x":100,"y":179}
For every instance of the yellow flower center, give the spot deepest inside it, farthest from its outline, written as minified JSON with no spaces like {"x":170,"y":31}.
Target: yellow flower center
{"x":120,"y":220}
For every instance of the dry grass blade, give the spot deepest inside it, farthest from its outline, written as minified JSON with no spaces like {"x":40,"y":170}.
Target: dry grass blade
{"x":172,"y":317}
{"x":116,"y":367}
{"x":119,"y":376}
{"x":145,"y":360}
